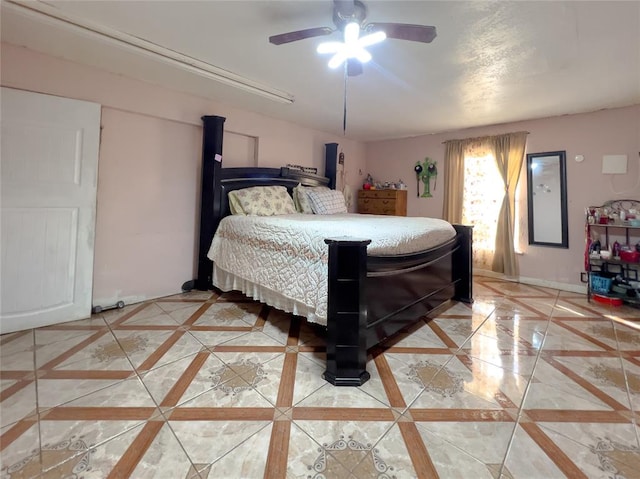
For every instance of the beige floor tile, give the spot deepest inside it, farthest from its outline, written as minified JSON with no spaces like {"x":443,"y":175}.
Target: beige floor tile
{"x":164,"y":458}
{"x":56,"y":392}
{"x":308,"y":377}
{"x":17,"y":352}
{"x":354,"y":446}
{"x":90,"y":448}
{"x":453,"y":386}
{"x":19,"y":405}
{"x":161,"y":380}
{"x":209,"y":441}
{"x":526,"y":381}
{"x":23,"y":452}
{"x":151,"y":349}
{"x":247,"y":459}
{"x":104,"y":353}
{"x":551,"y":389}
{"x":134,"y":312}
{"x":329,"y":396}
{"x":230,"y":314}
{"x":462,"y":449}
{"x":607,"y":375}
{"x":527,"y":460}
{"x":51,"y":344}
{"x":211,"y":339}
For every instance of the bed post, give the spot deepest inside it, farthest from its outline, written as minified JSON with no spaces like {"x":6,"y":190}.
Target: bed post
{"x":212,"y":133}
{"x":331,"y":163}
{"x":347,"y":312}
{"x":462,"y":265}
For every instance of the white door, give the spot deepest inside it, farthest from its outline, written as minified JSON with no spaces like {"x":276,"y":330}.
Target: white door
{"x":49,"y":171}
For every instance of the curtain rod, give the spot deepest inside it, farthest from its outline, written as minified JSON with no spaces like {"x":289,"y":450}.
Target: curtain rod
{"x":486,"y":137}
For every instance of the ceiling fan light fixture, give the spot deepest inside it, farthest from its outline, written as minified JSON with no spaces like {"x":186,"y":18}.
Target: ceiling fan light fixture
{"x":351,"y":33}
{"x":349,"y":18}
{"x":329,"y":47}
{"x":353,"y":46}
{"x":337,"y":60}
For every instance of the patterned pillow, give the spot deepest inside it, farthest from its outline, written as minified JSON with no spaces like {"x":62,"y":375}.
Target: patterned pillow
{"x":301,"y":198}
{"x":327,"y":202}
{"x":234,"y":204}
{"x":262,"y":201}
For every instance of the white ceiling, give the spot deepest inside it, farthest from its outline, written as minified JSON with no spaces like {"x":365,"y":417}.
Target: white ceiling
{"x":492,"y":62}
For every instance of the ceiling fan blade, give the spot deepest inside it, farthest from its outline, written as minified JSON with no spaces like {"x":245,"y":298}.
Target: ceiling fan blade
{"x":404,"y":31}
{"x":299,"y":35}
{"x":354,"y":67}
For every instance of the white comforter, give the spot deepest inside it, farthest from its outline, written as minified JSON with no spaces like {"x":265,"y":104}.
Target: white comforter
{"x":282,"y":260}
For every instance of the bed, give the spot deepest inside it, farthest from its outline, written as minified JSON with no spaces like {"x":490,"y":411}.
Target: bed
{"x":370,"y":295}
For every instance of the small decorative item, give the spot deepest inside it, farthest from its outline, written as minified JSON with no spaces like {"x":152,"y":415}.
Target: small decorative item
{"x":368,"y":183}
{"x":418,"y":170}
{"x":616,"y":250}
{"x":425,"y":171}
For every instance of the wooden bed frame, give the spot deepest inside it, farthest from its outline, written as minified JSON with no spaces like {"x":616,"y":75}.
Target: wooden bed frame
{"x":369,"y":298}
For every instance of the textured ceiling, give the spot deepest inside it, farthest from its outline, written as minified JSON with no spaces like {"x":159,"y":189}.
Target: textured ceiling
{"x":492,"y":62}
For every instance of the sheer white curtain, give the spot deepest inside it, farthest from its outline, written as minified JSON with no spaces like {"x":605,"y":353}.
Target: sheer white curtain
{"x":482,"y":198}
{"x":480,"y":182}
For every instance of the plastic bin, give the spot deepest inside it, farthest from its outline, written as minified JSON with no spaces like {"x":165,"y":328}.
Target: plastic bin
{"x":600,"y":284}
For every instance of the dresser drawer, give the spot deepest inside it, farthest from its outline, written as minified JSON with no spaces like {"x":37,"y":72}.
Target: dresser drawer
{"x":375,"y":194}
{"x":376,"y":210}
{"x":382,"y":202}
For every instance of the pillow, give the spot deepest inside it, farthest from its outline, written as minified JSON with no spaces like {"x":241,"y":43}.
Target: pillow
{"x":327,"y":202}
{"x":262,"y":201}
{"x":301,"y":199}
{"x":234,"y":203}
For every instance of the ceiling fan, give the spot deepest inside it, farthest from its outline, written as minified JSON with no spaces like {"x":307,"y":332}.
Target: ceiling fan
{"x":348,"y":18}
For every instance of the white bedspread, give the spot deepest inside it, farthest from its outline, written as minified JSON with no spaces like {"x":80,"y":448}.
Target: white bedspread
{"x":282,"y":260}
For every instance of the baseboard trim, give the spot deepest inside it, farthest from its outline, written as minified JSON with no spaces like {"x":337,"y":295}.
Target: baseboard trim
{"x":572,"y":288}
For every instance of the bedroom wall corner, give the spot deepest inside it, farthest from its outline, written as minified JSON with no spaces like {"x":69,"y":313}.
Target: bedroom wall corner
{"x":592,"y":135}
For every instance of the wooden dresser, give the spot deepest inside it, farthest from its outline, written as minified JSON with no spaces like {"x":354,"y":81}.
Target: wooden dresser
{"x":383,"y":202}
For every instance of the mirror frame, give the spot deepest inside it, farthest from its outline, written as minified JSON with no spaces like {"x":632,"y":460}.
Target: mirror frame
{"x":561,"y":157}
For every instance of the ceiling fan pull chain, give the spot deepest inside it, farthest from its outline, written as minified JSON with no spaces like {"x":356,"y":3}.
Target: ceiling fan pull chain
{"x":344,"y":111}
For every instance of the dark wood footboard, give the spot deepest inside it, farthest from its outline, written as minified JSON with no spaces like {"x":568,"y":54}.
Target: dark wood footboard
{"x":372,"y":298}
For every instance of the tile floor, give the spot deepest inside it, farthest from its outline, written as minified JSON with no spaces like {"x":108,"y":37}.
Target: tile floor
{"x":525,"y":383}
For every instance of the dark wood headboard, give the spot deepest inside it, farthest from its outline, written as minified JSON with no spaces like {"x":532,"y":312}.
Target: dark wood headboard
{"x":238,"y":178}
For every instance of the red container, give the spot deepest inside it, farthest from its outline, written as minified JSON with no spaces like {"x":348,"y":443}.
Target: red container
{"x":600,"y":298}
{"x":630,"y":256}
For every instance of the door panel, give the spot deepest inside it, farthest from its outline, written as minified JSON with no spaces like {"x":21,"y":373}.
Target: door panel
{"x":49,"y":149}
{"x":38,"y":259}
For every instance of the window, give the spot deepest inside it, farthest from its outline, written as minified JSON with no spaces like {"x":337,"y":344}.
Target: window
{"x":484,"y":186}
{"x":482,"y":199}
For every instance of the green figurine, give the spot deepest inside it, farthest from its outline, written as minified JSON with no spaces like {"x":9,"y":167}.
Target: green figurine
{"x":425,"y":171}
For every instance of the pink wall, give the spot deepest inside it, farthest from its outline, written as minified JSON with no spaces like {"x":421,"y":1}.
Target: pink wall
{"x":615,"y":131}
{"x":150,"y":157}
{"x":149,"y":168}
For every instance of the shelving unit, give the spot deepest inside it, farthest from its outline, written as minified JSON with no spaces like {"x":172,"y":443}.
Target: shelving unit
{"x":614,"y":267}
